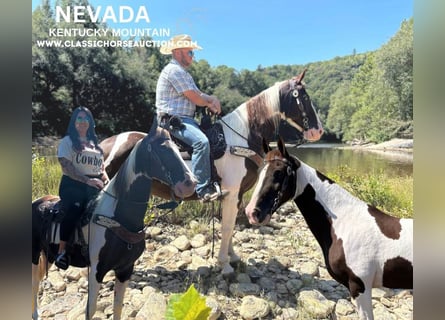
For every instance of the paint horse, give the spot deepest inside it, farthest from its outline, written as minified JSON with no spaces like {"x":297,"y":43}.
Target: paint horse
{"x":362,"y":246}
{"x":116,"y":230}
{"x":284,"y":108}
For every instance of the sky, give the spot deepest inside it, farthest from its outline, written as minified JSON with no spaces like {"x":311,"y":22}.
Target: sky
{"x":245,"y":34}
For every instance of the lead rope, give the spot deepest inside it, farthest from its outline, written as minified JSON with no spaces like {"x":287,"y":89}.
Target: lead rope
{"x":213,"y":224}
{"x":88,"y":268}
{"x":213,"y":230}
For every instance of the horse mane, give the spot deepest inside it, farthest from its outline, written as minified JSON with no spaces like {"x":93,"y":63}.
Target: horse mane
{"x":121,"y":179}
{"x":262,"y":107}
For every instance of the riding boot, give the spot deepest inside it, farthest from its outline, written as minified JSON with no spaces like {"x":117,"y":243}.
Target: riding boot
{"x":62,"y":260}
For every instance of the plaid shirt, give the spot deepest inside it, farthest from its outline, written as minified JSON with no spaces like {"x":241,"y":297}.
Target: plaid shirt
{"x":173,"y":81}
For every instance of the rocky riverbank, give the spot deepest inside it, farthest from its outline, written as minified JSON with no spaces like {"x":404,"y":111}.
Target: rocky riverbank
{"x":281,"y":276}
{"x":393,"y":145}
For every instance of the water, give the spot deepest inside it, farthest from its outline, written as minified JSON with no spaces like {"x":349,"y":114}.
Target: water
{"x":328,"y":158}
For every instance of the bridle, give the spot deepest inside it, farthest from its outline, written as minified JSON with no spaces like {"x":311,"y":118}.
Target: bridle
{"x":300,"y":106}
{"x":290,"y":172}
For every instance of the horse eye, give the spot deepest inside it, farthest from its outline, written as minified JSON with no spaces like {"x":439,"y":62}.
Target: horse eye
{"x":277,"y":174}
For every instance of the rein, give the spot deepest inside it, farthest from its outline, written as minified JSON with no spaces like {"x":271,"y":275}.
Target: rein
{"x":228,"y":126}
{"x":166,"y":205}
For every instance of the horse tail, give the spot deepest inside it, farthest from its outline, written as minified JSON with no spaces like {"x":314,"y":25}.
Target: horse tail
{"x":43,"y":266}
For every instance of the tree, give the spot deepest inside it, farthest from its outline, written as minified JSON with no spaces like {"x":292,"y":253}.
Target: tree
{"x":396,"y":59}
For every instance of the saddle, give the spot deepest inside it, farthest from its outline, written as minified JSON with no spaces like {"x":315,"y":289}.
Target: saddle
{"x":76,"y":247}
{"x":212,"y":130}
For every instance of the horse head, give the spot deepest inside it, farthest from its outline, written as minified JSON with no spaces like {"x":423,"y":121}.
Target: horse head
{"x":276,"y":185}
{"x":298,"y":114}
{"x":161,"y":160}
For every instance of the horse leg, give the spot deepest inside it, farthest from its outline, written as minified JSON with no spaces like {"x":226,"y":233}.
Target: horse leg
{"x":119,"y":294}
{"x":38,"y":272}
{"x":364,"y":304}
{"x":35,"y":290}
{"x":228,"y":223}
{"x":93,"y":292}
{"x":234,"y":258}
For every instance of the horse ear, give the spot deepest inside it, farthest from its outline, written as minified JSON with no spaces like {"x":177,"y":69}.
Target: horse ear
{"x":282,"y":147}
{"x":266,"y":146}
{"x":300,"y":77}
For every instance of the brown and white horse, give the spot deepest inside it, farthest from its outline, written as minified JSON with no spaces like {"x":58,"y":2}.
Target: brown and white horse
{"x":283,"y":108}
{"x":362,"y":246}
{"x":115,"y":233}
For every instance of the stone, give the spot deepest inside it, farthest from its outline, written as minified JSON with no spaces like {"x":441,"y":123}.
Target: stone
{"x":254,"y":308}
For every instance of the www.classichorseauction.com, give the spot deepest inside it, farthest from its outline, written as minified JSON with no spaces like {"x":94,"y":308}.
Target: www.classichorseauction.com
{"x":100,"y":37}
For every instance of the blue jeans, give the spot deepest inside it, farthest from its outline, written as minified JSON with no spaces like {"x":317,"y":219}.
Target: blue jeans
{"x":193,"y":136}
{"x":75,"y":196}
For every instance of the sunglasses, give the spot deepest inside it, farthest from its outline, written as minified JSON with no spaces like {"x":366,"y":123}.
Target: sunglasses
{"x":82,"y":119}
{"x":190,"y":53}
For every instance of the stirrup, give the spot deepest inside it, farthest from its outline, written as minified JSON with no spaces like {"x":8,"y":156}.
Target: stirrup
{"x":217,"y":188}
{"x":62,"y":261}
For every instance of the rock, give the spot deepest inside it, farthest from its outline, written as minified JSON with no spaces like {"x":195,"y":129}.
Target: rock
{"x":198,"y":241}
{"x":153,"y":308}
{"x":294,"y":285}
{"x":216,"y":309}
{"x":313,"y":305}
{"x":182,"y":243}
{"x":281,"y":272}
{"x":165,"y":253}
{"x":254,"y":308}
{"x":344,"y":308}
{"x":244,"y":289}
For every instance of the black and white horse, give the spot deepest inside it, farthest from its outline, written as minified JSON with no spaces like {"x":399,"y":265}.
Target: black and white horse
{"x":284,"y":108}
{"x":362,"y":246}
{"x":115,"y":233}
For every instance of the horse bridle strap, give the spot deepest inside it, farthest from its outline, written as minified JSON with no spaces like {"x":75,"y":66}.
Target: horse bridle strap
{"x":120,"y":231}
{"x":289,"y":172}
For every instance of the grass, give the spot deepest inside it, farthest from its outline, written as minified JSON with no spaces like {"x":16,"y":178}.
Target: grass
{"x":393,"y":195}
{"x":46,"y":174}
{"x":390,"y":194}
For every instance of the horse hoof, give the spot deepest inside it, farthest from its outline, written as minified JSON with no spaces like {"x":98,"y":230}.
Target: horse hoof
{"x":235,"y":259}
{"x":227,"y":272}
{"x":230,"y":276}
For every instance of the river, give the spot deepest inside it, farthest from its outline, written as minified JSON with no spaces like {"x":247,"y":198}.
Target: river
{"x":329,"y":157}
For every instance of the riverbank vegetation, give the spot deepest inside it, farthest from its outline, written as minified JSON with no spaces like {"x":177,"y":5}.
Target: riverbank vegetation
{"x":364,"y":97}
{"x":391,"y":194}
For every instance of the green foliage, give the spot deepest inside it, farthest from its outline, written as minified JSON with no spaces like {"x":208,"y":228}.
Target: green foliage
{"x":376,"y":105}
{"x":393,"y":195}
{"x":46,"y":176}
{"x":187,"y":306}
